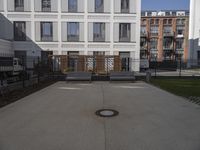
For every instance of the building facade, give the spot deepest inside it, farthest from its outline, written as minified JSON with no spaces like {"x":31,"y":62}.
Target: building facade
{"x":164,"y":35}
{"x":194,"y":34}
{"x":83,"y":27}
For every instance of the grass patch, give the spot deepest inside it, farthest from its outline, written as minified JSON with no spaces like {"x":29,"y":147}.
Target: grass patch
{"x":181,"y":87}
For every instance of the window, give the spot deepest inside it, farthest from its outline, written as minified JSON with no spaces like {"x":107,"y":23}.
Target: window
{"x":46,"y":5}
{"x":19,"y":5}
{"x":99,"y":6}
{"x":180,"y":30}
{"x":143,"y":31}
{"x":179,"y":43}
{"x":125,"y":6}
{"x":72,"y":5}
{"x":154,"y":30}
{"x":46,"y":31}
{"x":19,"y":31}
{"x":167,"y":43}
{"x":144,"y":21}
{"x":73,"y":31}
{"x":143,"y":43}
{"x":124,"y":32}
{"x":165,"y":21}
{"x":167,"y":55}
{"x":157,"y":21}
{"x":170,"y":21}
{"x":153,"y":44}
{"x":99,"y":32}
{"x":152,"y":21}
{"x":167,"y":30}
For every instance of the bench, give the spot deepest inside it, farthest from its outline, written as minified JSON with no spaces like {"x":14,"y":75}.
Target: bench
{"x":79,"y":76}
{"x":122,"y":76}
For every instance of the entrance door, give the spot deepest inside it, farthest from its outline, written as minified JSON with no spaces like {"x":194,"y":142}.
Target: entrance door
{"x":125,"y":64}
{"x":73,"y":61}
{"x":125,"y":61}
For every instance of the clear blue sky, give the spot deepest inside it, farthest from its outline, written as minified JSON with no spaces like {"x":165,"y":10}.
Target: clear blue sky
{"x":165,"y":4}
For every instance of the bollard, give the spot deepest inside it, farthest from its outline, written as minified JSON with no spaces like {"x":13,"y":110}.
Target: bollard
{"x":148,"y":76}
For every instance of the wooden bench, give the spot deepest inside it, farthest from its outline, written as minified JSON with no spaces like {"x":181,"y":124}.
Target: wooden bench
{"x":122,"y":76}
{"x":79,"y":76}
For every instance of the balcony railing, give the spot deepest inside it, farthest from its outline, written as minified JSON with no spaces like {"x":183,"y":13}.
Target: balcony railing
{"x":169,"y":34}
{"x":154,"y":33}
{"x":143,"y":33}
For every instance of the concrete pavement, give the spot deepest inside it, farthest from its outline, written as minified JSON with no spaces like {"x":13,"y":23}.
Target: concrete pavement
{"x":62,"y":117}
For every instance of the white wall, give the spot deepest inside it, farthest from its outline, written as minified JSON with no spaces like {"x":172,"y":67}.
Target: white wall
{"x":194,"y":30}
{"x":86,"y":16}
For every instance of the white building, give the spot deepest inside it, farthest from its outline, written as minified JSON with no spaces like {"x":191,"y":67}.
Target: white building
{"x":194,"y":33}
{"x":86,"y":27}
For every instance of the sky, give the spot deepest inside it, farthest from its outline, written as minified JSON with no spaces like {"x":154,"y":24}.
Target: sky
{"x":165,"y":4}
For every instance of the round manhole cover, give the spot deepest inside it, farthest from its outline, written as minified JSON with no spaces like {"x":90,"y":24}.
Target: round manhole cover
{"x":107,"y":113}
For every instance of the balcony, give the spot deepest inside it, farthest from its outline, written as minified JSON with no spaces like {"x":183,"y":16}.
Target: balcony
{"x":154,"y":34}
{"x":168,"y":34}
{"x":180,"y":51}
{"x":180,"y":35}
{"x":143,"y":34}
{"x":143,"y":47}
{"x":168,"y":48}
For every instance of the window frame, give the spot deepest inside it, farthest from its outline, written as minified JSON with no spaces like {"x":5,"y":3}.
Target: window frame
{"x":122,"y":36}
{"x":47,"y":6}
{"x":17,"y":36}
{"x":19,"y":5}
{"x":46,"y":38}
{"x":73,"y":37}
{"x":127,"y":9}
{"x":71,"y":8}
{"x":101,"y":36}
{"x":99,"y":8}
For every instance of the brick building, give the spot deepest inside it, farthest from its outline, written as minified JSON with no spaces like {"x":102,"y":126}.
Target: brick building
{"x":164,"y":35}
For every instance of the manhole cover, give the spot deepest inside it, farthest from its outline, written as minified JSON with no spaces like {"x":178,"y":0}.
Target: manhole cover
{"x":107,"y":113}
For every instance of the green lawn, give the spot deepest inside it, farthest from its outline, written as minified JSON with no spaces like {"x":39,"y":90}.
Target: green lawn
{"x":181,"y":87}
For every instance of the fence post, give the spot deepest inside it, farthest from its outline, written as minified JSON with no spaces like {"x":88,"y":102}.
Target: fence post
{"x":156,"y":68}
{"x":23,"y":73}
{"x":180,"y":67}
{"x":38,"y":72}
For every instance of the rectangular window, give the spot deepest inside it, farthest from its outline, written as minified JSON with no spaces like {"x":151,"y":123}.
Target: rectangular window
{"x":72,"y":6}
{"x":46,"y":5}
{"x":125,"y":6}
{"x":180,"y":30}
{"x":143,"y":31}
{"x":124,"y":32}
{"x":19,"y":5}
{"x":143,"y":43}
{"x":99,"y":6}
{"x":179,"y":43}
{"x":154,"y":30}
{"x":153,"y":44}
{"x":167,"y":43}
{"x":73,"y":31}
{"x":46,"y":31}
{"x":99,"y":32}
{"x":167,"y":30}
{"x":19,"y":31}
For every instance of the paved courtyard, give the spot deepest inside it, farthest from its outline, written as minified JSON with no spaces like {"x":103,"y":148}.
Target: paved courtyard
{"x":62,"y":117}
